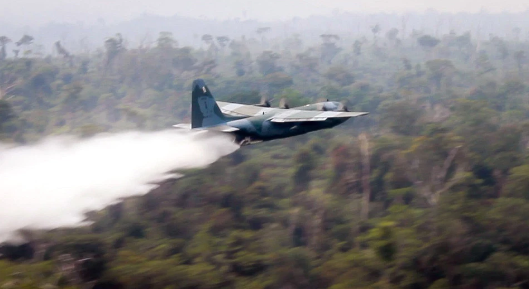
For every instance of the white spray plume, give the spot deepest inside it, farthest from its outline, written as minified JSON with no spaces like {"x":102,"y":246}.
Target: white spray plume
{"x":54,"y":182}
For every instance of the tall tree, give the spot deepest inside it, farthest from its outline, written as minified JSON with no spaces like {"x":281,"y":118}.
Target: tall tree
{"x":329,"y":49}
{"x":223,"y":42}
{"x":305,"y":162}
{"x":267,"y":62}
{"x":366,"y":176}
{"x":262,"y":31}
{"x":520,"y":58}
{"x":375,"y":29}
{"x":391,"y":35}
{"x":166,"y":41}
{"x":4,"y":40}
{"x":25,"y":41}
{"x":439,"y":70}
{"x":428,"y":42}
{"x":114,"y":46}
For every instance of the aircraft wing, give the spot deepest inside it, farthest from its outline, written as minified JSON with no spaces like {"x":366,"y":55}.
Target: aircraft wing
{"x":294,"y":115}
{"x":237,"y":109}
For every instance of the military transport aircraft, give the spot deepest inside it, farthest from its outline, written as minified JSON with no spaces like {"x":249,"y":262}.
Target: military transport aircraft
{"x":253,"y":123}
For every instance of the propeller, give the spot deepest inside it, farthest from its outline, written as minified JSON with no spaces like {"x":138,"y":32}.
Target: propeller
{"x":264,"y":102}
{"x":343,"y":106}
{"x":283,"y":104}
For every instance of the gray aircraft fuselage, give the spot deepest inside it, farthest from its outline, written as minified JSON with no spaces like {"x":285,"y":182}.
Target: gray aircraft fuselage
{"x":261,"y":128}
{"x":251,"y":123}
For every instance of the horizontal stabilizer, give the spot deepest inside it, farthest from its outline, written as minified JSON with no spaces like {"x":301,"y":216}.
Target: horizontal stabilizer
{"x":183,"y":125}
{"x":219,"y":128}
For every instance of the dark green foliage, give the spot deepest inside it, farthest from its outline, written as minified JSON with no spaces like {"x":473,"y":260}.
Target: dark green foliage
{"x":401,"y":117}
{"x":135,"y":230}
{"x":17,"y":252}
{"x":267,"y":62}
{"x":339,"y":74}
{"x":247,"y":97}
{"x":448,"y":179}
{"x":305,"y":162}
{"x":278,"y":81}
{"x":428,"y":41}
{"x":383,"y":241}
{"x":518,"y":182}
{"x":6,"y":112}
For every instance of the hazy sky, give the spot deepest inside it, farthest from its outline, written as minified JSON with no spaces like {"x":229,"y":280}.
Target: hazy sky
{"x":33,"y":12}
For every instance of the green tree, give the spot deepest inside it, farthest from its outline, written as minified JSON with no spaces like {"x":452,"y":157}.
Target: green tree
{"x":439,"y":70}
{"x":391,"y":35}
{"x":401,"y":117}
{"x":305,"y":162}
{"x":383,"y":241}
{"x":114,"y":46}
{"x":166,"y":41}
{"x":267,"y":62}
{"x":340,"y":74}
{"x":518,"y":183}
{"x":329,"y":49}
{"x":520,"y":58}
{"x":4,"y":40}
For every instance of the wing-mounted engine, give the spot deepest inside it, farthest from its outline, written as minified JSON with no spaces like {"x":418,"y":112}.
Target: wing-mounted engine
{"x":343,"y":106}
{"x":264,"y":102}
{"x":326,"y":105}
{"x":283,"y":104}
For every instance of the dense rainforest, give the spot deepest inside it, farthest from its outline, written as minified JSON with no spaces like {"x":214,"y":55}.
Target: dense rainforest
{"x":430,"y":190}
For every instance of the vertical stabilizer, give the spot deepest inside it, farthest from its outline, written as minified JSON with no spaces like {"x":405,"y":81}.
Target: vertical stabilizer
{"x":204,"y":109}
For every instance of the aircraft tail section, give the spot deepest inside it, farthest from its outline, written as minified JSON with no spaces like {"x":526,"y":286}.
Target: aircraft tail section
{"x":204,"y":109}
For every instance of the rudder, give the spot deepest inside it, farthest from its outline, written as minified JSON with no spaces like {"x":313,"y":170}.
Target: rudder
{"x":204,"y":109}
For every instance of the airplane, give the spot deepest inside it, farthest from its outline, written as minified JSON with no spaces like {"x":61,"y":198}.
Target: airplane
{"x":255,"y":123}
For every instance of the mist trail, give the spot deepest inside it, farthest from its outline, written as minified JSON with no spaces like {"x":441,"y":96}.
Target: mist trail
{"x":52,"y":183}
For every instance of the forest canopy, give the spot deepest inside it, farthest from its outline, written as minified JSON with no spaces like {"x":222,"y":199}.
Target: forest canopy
{"x":431,"y":190}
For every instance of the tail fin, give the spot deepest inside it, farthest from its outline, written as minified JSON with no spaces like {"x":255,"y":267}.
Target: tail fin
{"x":204,"y":109}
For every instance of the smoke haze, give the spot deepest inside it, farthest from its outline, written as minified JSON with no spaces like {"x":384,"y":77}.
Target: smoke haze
{"x":73,"y":11}
{"x":52,"y":183}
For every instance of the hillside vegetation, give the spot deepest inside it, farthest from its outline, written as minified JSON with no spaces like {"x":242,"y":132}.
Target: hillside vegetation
{"x":430,"y":190}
